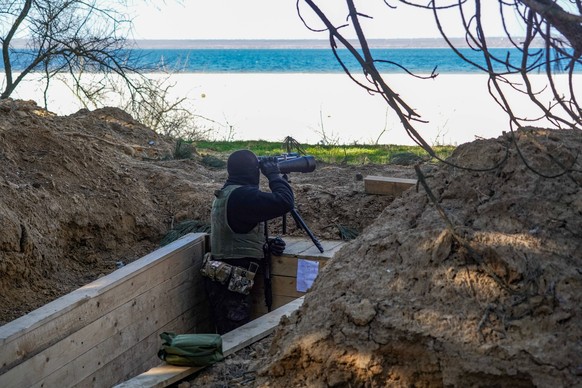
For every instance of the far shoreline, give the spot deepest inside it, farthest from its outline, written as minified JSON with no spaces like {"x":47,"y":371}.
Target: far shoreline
{"x":289,"y":44}
{"x":416,"y":43}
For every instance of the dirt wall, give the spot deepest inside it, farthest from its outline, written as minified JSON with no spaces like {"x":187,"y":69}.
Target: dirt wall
{"x":481,"y":288}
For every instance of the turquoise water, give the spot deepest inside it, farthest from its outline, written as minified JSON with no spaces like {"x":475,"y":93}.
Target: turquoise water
{"x":317,"y":60}
{"x":305,"y":60}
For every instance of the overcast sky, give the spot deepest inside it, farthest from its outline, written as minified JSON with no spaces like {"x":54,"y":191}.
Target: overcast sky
{"x":278,"y":19}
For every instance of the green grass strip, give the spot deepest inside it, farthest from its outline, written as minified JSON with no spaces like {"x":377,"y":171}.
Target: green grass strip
{"x":347,"y":154}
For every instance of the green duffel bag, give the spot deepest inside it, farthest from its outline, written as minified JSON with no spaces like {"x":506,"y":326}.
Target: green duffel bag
{"x":190,"y":349}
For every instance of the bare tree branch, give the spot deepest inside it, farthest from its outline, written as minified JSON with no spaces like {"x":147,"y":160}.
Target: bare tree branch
{"x":557,"y":24}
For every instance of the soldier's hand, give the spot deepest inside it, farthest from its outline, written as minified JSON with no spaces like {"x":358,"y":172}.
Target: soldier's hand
{"x":277,"y":246}
{"x":270,"y":166}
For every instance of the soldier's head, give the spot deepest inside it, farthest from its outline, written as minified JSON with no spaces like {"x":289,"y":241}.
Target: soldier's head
{"x":243,"y":168}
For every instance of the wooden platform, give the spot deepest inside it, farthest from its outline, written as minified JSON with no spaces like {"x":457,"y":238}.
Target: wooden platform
{"x":387,"y":185}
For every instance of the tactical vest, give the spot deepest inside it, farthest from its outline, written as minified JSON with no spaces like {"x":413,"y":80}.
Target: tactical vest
{"x":224,"y":242}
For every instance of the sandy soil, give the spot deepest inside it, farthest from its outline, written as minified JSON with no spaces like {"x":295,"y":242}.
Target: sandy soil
{"x":479,"y":287}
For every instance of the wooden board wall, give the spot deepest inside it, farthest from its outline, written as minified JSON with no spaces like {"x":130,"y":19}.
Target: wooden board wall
{"x":107,"y":331}
{"x":164,"y":374}
{"x":284,"y":272}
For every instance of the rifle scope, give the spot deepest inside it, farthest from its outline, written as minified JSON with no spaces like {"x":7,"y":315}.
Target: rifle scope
{"x":293,"y":163}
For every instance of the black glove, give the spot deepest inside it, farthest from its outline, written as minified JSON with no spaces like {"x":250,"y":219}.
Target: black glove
{"x":276,"y":246}
{"x":270,"y":166}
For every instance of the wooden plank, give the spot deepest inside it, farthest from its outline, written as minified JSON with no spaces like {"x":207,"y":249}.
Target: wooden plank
{"x":291,"y":241}
{"x":127,"y":365}
{"x":329,"y":249}
{"x":195,"y":320}
{"x":56,"y":307}
{"x":25,"y":337}
{"x":257,"y":329}
{"x":284,"y":290}
{"x":287,"y":265}
{"x":286,"y":285}
{"x":113,"y":332}
{"x":90,"y":348}
{"x":165,"y":374}
{"x":280,"y":285}
{"x":387,"y":185}
{"x":298,"y":247}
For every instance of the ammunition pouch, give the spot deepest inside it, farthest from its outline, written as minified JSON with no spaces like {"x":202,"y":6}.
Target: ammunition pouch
{"x":237,"y":279}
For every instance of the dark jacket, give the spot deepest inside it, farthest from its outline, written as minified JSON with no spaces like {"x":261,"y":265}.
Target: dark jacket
{"x":247,"y":205}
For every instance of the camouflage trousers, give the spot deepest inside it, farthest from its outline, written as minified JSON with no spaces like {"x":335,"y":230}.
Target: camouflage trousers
{"x":229,"y":309}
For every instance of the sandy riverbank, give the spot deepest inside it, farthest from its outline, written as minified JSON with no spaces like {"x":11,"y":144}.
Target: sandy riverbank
{"x":271,"y":106}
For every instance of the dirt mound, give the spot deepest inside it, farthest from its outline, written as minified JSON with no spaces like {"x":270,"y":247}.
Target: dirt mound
{"x":482,"y":288}
{"x":83,"y":194}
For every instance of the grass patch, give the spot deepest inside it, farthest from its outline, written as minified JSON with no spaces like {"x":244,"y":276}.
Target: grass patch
{"x":348,"y":154}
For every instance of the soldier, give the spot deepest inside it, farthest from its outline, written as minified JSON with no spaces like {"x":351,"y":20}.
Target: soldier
{"x":238,"y":235}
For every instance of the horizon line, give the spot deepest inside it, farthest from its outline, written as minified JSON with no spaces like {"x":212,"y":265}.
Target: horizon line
{"x":298,"y":43}
{"x":438,"y":42}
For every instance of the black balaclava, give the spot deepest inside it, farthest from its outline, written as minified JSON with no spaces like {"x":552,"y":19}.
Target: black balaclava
{"x":243,"y":168}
